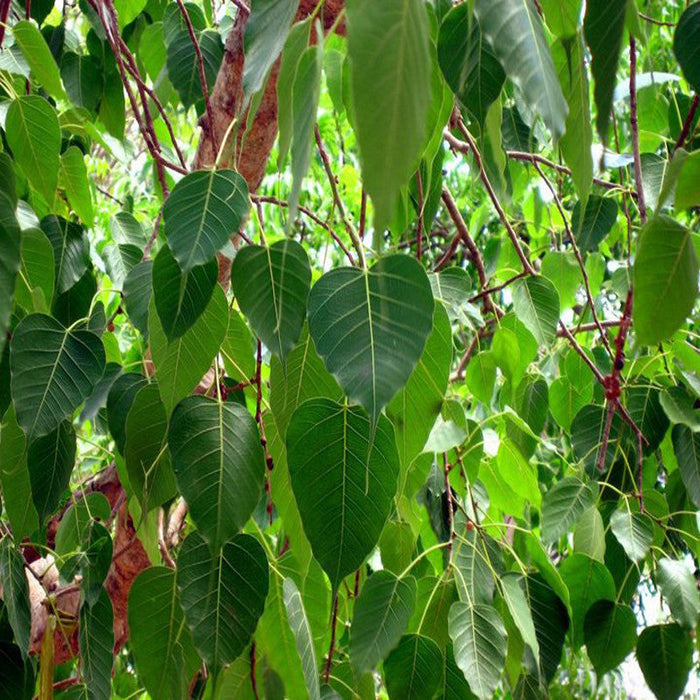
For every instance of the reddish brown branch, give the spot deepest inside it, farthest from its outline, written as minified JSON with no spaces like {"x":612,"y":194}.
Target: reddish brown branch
{"x":331,"y":649}
{"x":687,"y":124}
{"x":641,"y":202}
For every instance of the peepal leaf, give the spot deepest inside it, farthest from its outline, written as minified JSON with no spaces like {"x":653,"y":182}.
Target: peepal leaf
{"x":414,"y":669}
{"x":686,"y":40}
{"x":634,"y":531}
{"x":562,"y":506}
{"x":53,"y":371}
{"x":536,"y":304}
{"x":665,"y":655}
{"x":370,"y":327}
{"x":686,"y":447}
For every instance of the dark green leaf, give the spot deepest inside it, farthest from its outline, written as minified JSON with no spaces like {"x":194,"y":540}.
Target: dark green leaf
{"x":15,"y":592}
{"x":73,"y":178}
{"x":70,"y":250}
{"x":610,"y":631}
{"x":83,"y":79}
{"x":593,"y":224}
{"x":137,"y":290}
{"x":563,"y":504}
{"x":686,"y":447}
{"x":665,"y":655}
{"x":536,"y":303}
{"x":679,"y":588}
{"x":9,"y":265}
{"x":686,"y":40}
{"x":646,"y":411}
{"x":414,"y":669}
{"x":121,"y":396}
{"x":96,"y":646}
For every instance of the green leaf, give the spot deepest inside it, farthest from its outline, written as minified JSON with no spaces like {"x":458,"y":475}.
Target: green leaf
{"x":33,"y":135}
{"x":595,"y":222}
{"x":686,"y":448}
{"x":181,"y":364}
{"x":38,"y":55}
{"x":481,"y":376}
{"x":238,"y":348}
{"x":204,"y":209}
{"x":588,"y":581}
{"x":126,"y":229}
{"x":53,"y":371}
{"x":73,"y":178}
{"x":9,"y":265}
{"x":219,"y":464}
{"x":388,"y":48}
{"x":516,"y":471}
{"x":678,"y":586}
{"x":78,"y":518}
{"x":302,"y":377}
{"x":17,"y":675}
{"x":271,"y":286}
{"x":604,"y":27}
{"x":14,"y":478}
{"x":137,"y":291}
{"x":50,"y":459}
{"x":305,"y":96}
{"x":35,"y":283}
{"x":414,"y":409}
{"x":356,"y":318}
{"x":70,"y":250}
{"x":562,"y":16}
{"x":119,"y":401}
{"x":562,"y":506}
{"x":96,"y":646}
{"x":302,"y":633}
{"x":381,"y":615}
{"x":686,"y":39}
{"x":520,"y":611}
{"x":589,"y":534}
{"x":183,"y":64}
{"x":479,"y":640}
{"x":181,"y":298}
{"x":83,"y":78}
{"x":536,"y":303}
{"x":665,"y":655}
{"x":472,"y":559}
{"x":665,"y":280}
{"x":164,"y":652}
{"x":645,"y":408}
{"x":223,"y":595}
{"x":15,"y":593}
{"x":516,"y":33}
{"x":414,"y":669}
{"x":329,"y":441}
{"x":468,"y":62}
{"x":562,"y":270}
{"x":146,"y":452}
{"x":587,"y":430}
{"x":265,"y":34}
{"x":634,"y":531}
{"x":610,"y":631}
{"x":687,"y":188}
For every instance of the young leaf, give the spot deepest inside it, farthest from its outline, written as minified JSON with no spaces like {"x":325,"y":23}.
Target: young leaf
{"x":38,"y":55}
{"x":389,"y":52}
{"x":271,"y":286}
{"x":219,"y":464}
{"x":665,"y":280}
{"x":329,"y":444}
{"x":355,"y":319}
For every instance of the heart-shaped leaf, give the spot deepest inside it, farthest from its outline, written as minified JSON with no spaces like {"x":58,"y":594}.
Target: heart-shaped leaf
{"x":536,"y":304}
{"x":370,"y":327}
{"x":271,"y":286}
{"x":219,"y":464}
{"x":562,"y":506}
{"x":665,"y":655}
{"x":329,"y":444}
{"x":610,"y":631}
{"x":223,"y":596}
{"x":202,"y":212}
{"x":414,"y":669}
{"x":181,"y":298}
{"x":53,"y":371}
{"x":634,"y":531}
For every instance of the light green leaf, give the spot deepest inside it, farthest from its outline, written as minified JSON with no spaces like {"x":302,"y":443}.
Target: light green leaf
{"x":610,"y":631}
{"x":479,"y":640}
{"x":562,"y":270}
{"x":562,"y":16}
{"x":589,"y":534}
{"x":53,"y":371}
{"x":78,"y":518}
{"x":686,"y":448}
{"x":536,"y":303}
{"x":204,"y":209}
{"x":680,"y":590}
{"x":356,"y":318}
{"x":73,"y":178}
{"x":381,"y":615}
{"x":388,"y":48}
{"x":516,"y":33}
{"x":222,"y":594}
{"x":520,"y":611}
{"x":687,"y":188}
{"x":304,"y":638}
{"x":33,"y":134}
{"x":329,"y":441}
{"x":238,"y":348}
{"x":665,"y":280}
{"x":34,"y":288}
{"x":219,"y":464}
{"x":164,"y":652}
{"x":414,"y":669}
{"x":38,"y":55}
{"x":562,"y":506}
{"x":271,"y":286}
{"x":96,"y":646}
{"x":634,"y":531}
{"x":665,"y":655}
{"x":481,"y":376}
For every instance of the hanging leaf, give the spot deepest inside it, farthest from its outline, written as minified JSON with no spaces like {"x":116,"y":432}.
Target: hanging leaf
{"x":479,"y":640}
{"x":181,"y":298}
{"x":634,"y":531}
{"x":330,"y":441}
{"x":414,"y":669}
{"x":603,"y":27}
{"x":388,"y":47}
{"x":665,"y":280}
{"x":610,"y":631}
{"x":137,"y":290}
{"x":520,"y":611}
{"x":96,"y":645}
{"x":15,"y":593}
{"x":355,"y":319}
{"x":119,"y":401}
{"x":35,"y":283}
{"x":73,"y":178}
{"x":204,"y":209}
{"x":304,"y":638}
{"x":83,"y":78}
{"x":380,"y":617}
{"x":33,"y":135}
{"x":53,"y":371}
{"x":665,"y":655}
{"x":686,"y":447}
{"x":685,"y":41}
{"x":589,"y":534}
{"x":165,"y":656}
{"x":594,"y":223}
{"x":9,"y":264}
{"x":468,"y":62}
{"x":536,"y":303}
{"x":183,"y":64}
{"x":223,"y":595}
{"x":70,"y":250}
{"x":219,"y":464}
{"x":562,"y":506}
{"x":271,"y":286}
{"x":678,"y":586}
{"x":517,"y":36}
